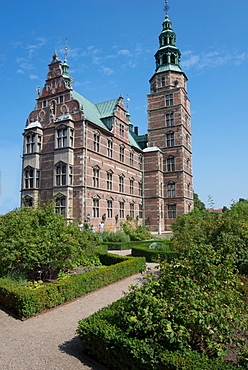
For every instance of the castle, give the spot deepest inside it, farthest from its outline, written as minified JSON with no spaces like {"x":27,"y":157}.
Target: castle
{"x":90,"y":159}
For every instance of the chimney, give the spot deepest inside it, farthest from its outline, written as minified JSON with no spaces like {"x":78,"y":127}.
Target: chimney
{"x":136,"y":130}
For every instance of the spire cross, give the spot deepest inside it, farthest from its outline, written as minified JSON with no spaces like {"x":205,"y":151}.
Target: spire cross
{"x":66,"y":48}
{"x":166,"y":8}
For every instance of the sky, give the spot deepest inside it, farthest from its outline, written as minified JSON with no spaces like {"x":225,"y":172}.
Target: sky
{"x":111,"y":47}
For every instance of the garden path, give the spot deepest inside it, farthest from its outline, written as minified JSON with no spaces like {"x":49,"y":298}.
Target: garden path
{"x":48,"y":341}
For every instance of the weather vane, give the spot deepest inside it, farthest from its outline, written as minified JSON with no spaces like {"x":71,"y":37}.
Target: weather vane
{"x":166,"y":8}
{"x":66,"y":48}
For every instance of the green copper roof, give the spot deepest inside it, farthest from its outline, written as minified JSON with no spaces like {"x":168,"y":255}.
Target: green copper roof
{"x":168,"y":55}
{"x":91,"y":112}
{"x":107,"y":108}
{"x":96,"y":112}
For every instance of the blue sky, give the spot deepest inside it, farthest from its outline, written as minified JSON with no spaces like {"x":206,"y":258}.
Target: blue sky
{"x":111,"y":51}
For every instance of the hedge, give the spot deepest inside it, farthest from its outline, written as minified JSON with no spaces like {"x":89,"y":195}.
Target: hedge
{"x":152,"y":255}
{"x":25,"y":302}
{"x":102,"y":339}
{"x":129,"y":245}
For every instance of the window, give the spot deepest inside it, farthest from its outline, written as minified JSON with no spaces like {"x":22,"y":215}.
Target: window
{"x":131,"y":181}
{"x":109,"y":180}
{"x":29,"y":177}
{"x":95,"y":208}
{"x":109,"y":208}
{"x":110,"y":148}
{"x":60,"y":203}
{"x":61,"y":137}
{"x":163,"y":81}
{"x":96,"y":141}
{"x":61,"y":99}
{"x":95,"y":177}
{"x":122,"y":130}
{"x":30,"y":143}
{"x":140,"y":210}
{"x":60,"y":174}
{"x":37,"y":178}
{"x":131,"y":158}
{"x":170,"y":139}
{"x":121,"y":183}
{"x":71,"y":137}
{"x":187,"y":139}
{"x":121,"y":209}
{"x":132,"y":210}
{"x":28,"y":201}
{"x":168,"y":100}
{"x":70,"y":175}
{"x":188,"y":189}
{"x":172,"y":210}
{"x":140,"y":161}
{"x":171,"y":189}
{"x":140,"y":188}
{"x":188,"y":164}
{"x":39,"y":143}
{"x":170,"y":164}
{"x":122,"y":153}
{"x":44,"y":103}
{"x":170,"y":119}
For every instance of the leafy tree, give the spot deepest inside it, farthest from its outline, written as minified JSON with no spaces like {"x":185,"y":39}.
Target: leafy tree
{"x":198,"y":204}
{"x":227,"y":231}
{"x":40,"y":239}
{"x":196,"y":303}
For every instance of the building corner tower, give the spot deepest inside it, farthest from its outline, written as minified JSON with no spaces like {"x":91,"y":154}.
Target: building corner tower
{"x":168,"y":188}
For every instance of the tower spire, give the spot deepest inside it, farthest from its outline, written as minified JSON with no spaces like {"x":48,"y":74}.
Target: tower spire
{"x":166,"y":8}
{"x":168,"y":55}
{"x":65,"y":66}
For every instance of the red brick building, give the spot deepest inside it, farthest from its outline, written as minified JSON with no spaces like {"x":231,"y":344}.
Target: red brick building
{"x":90,"y":160}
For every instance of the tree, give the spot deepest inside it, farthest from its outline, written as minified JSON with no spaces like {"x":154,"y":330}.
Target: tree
{"x":40,"y":239}
{"x":198,"y":204}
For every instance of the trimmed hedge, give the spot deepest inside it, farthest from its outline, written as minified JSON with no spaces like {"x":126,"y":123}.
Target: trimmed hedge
{"x":152,"y":255}
{"x":26,"y":302}
{"x":127,"y":245}
{"x":103,"y":339}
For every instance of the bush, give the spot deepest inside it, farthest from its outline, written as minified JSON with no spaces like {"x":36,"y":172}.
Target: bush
{"x":102,"y":338}
{"x":118,"y":236}
{"x":40,"y":239}
{"x":152,"y":255}
{"x":135,"y":231}
{"x":25,"y":302}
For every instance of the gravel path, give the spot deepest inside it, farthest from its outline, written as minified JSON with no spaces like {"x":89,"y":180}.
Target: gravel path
{"x":48,"y":341}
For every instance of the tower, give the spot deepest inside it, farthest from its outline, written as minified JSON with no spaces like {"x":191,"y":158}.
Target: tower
{"x":168,"y":158}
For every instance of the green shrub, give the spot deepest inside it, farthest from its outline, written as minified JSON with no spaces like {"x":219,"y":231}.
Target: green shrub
{"x":25,"y":302}
{"x":103,"y":338}
{"x":118,"y":236}
{"x":135,"y":231}
{"x":152,"y":255}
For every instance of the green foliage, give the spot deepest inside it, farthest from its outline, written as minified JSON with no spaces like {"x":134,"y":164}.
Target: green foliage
{"x":165,"y":253}
{"x":135,"y":231}
{"x":226,"y":231}
{"x":117,"y":237}
{"x":198,"y":204}
{"x":26,"y":302}
{"x":103,"y":338}
{"x":40,"y":239}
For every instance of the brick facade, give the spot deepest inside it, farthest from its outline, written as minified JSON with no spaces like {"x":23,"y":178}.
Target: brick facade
{"x":90,"y":161}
